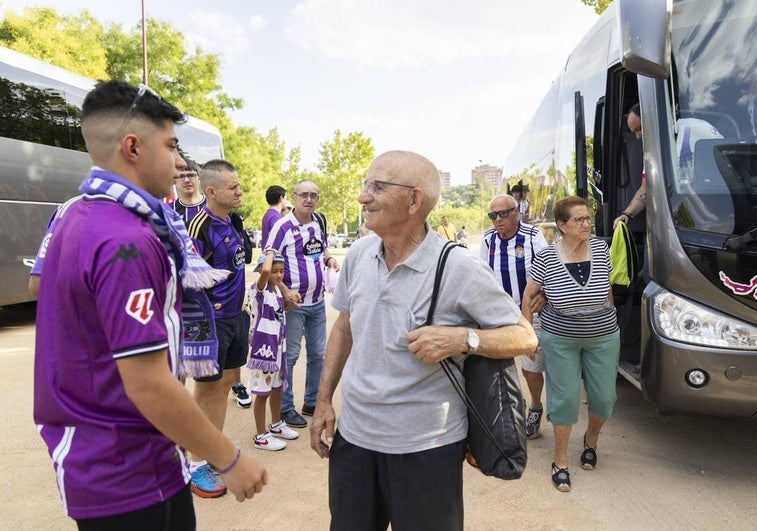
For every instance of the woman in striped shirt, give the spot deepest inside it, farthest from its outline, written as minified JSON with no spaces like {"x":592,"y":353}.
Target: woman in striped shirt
{"x":580,"y":336}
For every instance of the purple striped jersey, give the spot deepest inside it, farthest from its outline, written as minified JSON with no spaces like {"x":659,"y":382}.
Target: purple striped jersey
{"x":302,"y":247}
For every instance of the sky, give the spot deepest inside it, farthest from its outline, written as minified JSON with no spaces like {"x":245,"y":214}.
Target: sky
{"x":455,"y":81}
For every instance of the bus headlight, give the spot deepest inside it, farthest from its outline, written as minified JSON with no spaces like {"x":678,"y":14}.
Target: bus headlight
{"x":679,"y":319}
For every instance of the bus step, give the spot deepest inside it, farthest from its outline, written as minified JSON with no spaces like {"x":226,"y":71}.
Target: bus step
{"x":626,"y":370}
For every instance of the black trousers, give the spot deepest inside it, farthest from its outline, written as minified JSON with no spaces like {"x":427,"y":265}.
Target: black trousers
{"x":415,"y":492}
{"x":177,"y":513}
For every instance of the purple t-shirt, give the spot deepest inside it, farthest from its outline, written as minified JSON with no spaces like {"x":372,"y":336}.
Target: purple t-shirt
{"x":223,"y":248}
{"x":302,"y":247}
{"x":270,"y":217}
{"x":109,"y":291}
{"x":39,"y":261}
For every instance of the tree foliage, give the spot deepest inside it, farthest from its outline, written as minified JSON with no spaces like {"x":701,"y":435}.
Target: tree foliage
{"x":598,"y":5}
{"x":188,"y":79}
{"x":343,"y":163}
{"x":73,"y":42}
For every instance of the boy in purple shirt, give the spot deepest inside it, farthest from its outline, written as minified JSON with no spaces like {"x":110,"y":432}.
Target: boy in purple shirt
{"x":276,"y":197}
{"x":107,"y":402}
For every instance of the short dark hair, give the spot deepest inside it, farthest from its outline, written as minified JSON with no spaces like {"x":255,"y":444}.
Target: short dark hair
{"x":274,"y":194}
{"x":635,"y":110}
{"x":119,"y":98}
{"x":563,"y":206}
{"x":192,"y":165}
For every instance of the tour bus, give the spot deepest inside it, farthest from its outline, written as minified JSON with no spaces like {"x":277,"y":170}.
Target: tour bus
{"x":43,"y":158}
{"x":688,"y":334}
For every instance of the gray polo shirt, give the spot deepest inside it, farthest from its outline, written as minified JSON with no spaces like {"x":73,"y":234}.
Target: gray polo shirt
{"x":391,"y":402}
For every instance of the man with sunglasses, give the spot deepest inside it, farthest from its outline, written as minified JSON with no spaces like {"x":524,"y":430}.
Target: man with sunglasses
{"x":300,"y":237}
{"x":509,"y":247}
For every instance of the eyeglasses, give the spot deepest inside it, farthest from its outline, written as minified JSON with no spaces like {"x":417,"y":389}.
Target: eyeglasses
{"x":581,"y":221}
{"x":371,"y":186}
{"x":504,"y":214}
{"x":186,"y":177}
{"x":308,"y":195}
{"x":142,"y":90}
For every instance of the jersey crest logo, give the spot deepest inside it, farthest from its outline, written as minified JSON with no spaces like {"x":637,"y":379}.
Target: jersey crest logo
{"x":138,"y":305}
{"x":519,"y":252}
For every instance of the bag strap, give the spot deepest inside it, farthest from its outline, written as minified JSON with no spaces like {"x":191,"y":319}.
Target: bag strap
{"x":438,"y":279}
{"x":448,"y":363}
{"x":321,"y":219}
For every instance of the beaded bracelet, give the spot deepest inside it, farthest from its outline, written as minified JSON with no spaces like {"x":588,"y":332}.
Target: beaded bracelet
{"x":232,"y":465}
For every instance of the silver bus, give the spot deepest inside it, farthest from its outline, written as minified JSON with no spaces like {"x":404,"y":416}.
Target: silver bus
{"x":43,"y":158}
{"x":689,"y":340}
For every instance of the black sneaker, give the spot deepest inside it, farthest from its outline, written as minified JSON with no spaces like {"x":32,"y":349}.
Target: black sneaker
{"x":308,"y":410}
{"x":293,"y":419}
{"x":533,"y":422}
{"x":243,"y":398}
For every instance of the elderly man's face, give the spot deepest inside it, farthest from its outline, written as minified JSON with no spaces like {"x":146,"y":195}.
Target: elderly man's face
{"x":306,"y":197}
{"x":506,"y":227}
{"x":386,"y":198}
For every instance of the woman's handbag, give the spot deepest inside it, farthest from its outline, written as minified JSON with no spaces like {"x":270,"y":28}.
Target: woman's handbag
{"x":496,"y":409}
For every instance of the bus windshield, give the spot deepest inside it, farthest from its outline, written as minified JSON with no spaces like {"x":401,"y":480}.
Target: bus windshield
{"x":714,"y":187}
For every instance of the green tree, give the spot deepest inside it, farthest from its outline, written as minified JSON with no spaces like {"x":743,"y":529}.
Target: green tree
{"x":73,"y":42}
{"x":598,"y":5}
{"x":344,"y":161}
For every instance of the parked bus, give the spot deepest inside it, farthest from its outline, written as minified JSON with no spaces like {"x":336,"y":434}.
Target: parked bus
{"x":689,"y":340}
{"x":43,"y":158}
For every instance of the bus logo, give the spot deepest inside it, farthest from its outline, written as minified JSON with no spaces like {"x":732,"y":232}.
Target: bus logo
{"x":738,"y":288}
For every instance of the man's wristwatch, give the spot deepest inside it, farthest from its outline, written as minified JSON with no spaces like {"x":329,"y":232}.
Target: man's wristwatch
{"x":472,"y":341}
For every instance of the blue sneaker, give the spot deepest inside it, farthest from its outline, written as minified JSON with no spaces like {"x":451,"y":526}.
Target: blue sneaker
{"x":206,"y":484}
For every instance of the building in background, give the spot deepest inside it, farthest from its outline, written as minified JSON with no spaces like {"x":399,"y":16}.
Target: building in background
{"x":486,"y":173}
{"x":445,"y":177}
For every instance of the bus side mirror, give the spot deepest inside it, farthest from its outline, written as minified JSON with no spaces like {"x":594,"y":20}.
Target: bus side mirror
{"x":645,"y":36}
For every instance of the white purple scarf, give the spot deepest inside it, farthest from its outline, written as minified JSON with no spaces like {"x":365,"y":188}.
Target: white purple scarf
{"x":199,"y":346}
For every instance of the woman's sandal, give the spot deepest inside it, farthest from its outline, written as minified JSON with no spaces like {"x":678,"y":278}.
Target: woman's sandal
{"x":588,"y":457}
{"x":561,"y":478}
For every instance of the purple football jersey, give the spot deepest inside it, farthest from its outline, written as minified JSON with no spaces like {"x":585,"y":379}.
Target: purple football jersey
{"x":270,"y":217}
{"x":302,"y":247}
{"x":109,"y":291}
{"x":223,"y":248}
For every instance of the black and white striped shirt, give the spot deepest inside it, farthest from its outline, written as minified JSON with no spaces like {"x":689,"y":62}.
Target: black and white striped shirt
{"x":574,"y":310}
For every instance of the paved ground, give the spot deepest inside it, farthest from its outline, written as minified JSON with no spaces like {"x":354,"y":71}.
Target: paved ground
{"x":655,"y":471}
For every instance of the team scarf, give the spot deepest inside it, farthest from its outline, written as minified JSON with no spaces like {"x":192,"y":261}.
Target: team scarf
{"x":198,"y":353}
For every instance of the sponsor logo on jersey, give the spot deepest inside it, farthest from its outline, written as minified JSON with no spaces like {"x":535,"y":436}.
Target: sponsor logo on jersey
{"x":138,"y":305}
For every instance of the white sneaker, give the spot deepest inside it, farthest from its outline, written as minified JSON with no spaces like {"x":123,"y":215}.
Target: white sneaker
{"x":282,"y":431}
{"x":268,"y":442}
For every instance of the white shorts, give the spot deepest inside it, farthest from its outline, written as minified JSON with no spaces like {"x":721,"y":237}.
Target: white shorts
{"x":261,"y":383}
{"x":536,"y":364}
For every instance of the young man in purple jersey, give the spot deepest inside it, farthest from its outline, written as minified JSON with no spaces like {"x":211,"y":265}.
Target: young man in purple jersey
{"x":107,"y":401}
{"x":300,"y":238}
{"x":219,"y":242}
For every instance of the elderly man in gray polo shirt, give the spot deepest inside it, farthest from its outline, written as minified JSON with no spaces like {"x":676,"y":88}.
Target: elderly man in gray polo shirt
{"x":397,"y":455}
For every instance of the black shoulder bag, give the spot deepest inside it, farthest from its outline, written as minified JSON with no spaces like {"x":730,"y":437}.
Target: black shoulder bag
{"x":496,"y":409}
